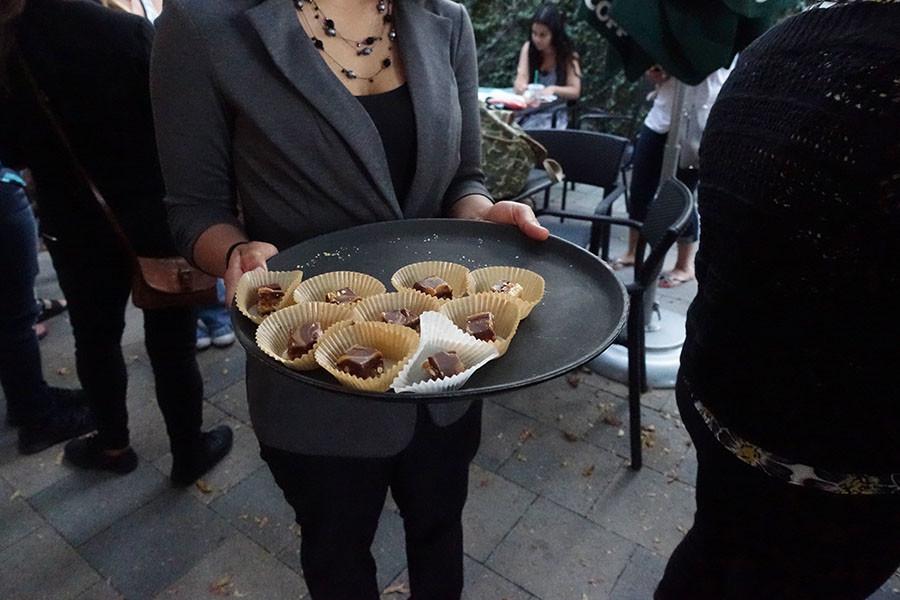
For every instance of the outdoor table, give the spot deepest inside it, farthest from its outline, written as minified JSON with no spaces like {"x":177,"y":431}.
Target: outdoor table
{"x":582,"y":311}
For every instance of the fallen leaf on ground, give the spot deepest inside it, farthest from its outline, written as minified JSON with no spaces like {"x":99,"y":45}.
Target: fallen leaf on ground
{"x":15,"y":495}
{"x":588,"y":471}
{"x":526,"y":435}
{"x":620,"y":433}
{"x":261,"y":521}
{"x":222,"y":586}
{"x":203,"y":486}
{"x":484,"y":483}
{"x":63,"y":371}
{"x":397,"y":588}
{"x":573,"y":379}
{"x":521,"y":457}
{"x":612,"y":420}
{"x":570,"y":437}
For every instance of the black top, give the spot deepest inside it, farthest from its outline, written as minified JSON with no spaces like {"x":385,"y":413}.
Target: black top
{"x":392,"y":113}
{"x":93,"y":63}
{"x":793,"y":338}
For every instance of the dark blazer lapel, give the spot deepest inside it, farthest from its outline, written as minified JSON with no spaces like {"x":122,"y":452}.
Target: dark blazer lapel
{"x":424,"y":39}
{"x":276,"y":23}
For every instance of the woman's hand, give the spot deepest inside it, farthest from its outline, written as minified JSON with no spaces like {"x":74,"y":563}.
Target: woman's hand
{"x":246,"y":257}
{"x":507,"y":213}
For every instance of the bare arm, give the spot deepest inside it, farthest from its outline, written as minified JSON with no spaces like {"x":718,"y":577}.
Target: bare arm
{"x":522,"y":75}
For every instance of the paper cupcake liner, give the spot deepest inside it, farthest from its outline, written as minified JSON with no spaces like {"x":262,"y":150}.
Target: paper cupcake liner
{"x":440,"y":334}
{"x":245,"y":296}
{"x":273,"y":334}
{"x":506,"y":315}
{"x":396,"y":343}
{"x":371,"y":308}
{"x":316,"y":288}
{"x":532,"y":285}
{"x":457,"y":276}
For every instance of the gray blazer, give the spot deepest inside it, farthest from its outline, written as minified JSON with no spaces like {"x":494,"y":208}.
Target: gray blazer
{"x":246,"y":108}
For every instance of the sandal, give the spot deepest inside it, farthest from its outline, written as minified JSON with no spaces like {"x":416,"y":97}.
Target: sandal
{"x":49,"y":308}
{"x":669,"y":281}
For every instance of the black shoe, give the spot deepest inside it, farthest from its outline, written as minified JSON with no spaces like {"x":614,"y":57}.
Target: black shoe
{"x":63,"y":399}
{"x":88,"y":453}
{"x":213,"y":446}
{"x":60,"y":425}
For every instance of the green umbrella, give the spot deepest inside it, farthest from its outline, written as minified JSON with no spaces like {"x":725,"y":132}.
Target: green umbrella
{"x":689,"y":38}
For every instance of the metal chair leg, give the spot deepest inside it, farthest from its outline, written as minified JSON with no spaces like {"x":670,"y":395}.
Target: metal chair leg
{"x":635,"y":359}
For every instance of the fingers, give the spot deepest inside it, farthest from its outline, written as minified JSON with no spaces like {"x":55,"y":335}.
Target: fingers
{"x":247,"y":257}
{"x":522,"y":217}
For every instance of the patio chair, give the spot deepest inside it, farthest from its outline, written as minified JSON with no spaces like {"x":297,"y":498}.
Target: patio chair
{"x":666,"y":218}
{"x":590,"y":158}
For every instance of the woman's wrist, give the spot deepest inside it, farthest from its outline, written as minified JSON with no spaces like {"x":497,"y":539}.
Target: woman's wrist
{"x":231,"y":250}
{"x":473,"y":206}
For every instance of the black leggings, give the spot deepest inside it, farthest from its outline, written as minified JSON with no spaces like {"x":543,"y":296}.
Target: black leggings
{"x":338,"y":502}
{"x":96,"y":280}
{"x":757,"y":537}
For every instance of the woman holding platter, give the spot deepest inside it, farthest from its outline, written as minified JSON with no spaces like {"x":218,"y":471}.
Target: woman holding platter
{"x":321,"y":115}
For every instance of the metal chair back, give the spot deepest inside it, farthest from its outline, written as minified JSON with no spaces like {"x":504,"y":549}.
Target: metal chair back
{"x":666,"y":218}
{"x":586,"y":157}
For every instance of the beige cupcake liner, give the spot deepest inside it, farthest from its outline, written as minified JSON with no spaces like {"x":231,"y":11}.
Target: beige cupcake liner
{"x":457,"y":276}
{"x":316,"y":288}
{"x":440,"y":334}
{"x":396,"y":343}
{"x":506,"y":315}
{"x":532,"y":285}
{"x":245,"y":296}
{"x":273,"y":334}
{"x":371,"y":308}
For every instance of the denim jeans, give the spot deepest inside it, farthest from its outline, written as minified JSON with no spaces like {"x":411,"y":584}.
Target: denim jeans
{"x":27,"y":397}
{"x":216,"y":316}
{"x":647,"y":164}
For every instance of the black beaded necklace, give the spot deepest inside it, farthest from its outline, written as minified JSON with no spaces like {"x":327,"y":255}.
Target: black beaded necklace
{"x":364,"y":47}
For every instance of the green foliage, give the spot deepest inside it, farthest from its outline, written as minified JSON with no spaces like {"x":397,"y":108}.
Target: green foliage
{"x":502,"y":26}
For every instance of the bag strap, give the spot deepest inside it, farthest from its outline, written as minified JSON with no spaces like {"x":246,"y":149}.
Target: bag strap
{"x":78,"y":169}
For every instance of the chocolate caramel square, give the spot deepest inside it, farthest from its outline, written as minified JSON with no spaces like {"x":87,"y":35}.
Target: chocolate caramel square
{"x":403,"y":317}
{"x":268,"y":297}
{"x":434,"y":286}
{"x":481,"y":326}
{"x":443,"y":364}
{"x":361,"y":361}
{"x":342,"y":296}
{"x":303,"y":338}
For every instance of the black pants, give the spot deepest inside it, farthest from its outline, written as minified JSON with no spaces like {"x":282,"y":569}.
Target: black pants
{"x":96,"y":280}
{"x":757,"y":537}
{"x":338,"y":502}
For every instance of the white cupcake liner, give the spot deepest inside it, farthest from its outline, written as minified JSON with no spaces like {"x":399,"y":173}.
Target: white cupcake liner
{"x":315,"y":289}
{"x":273,"y":334}
{"x":440,"y":334}
{"x":370,"y":308}
{"x":531,"y":282}
{"x":395,"y":342}
{"x":505,"y":311}
{"x":251,"y":281}
{"x":457,"y":276}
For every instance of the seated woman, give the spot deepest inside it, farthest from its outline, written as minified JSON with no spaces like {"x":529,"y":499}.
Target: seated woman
{"x":547,"y":58}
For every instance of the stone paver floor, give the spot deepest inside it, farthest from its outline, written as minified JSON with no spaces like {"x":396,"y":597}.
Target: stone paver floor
{"x":554,"y":512}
